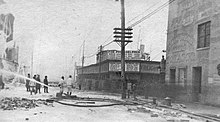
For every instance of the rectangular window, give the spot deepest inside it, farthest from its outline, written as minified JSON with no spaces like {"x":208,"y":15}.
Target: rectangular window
{"x":204,"y":35}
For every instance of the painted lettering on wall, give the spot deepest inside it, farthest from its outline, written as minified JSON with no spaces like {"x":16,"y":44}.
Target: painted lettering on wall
{"x":131,"y":67}
{"x":181,"y":57}
{"x":204,"y":9}
{"x":150,"y":68}
{"x":186,"y":4}
{"x":186,"y":16}
{"x":115,"y":66}
{"x":181,"y":43}
{"x":181,"y":49}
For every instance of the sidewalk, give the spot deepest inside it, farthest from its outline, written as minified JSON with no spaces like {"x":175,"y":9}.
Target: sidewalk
{"x":196,"y":108}
{"x":201,"y":109}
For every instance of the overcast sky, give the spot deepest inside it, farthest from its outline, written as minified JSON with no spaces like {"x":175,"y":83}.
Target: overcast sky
{"x":58,"y":28}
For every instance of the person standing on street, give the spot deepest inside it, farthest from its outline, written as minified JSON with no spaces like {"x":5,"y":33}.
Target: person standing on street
{"x":37,"y":84}
{"x":34,"y":77}
{"x":134,"y":90}
{"x":61,"y":84}
{"x":28,"y":84}
{"x":69,"y":84}
{"x":46,"y":83}
{"x":32,"y":85}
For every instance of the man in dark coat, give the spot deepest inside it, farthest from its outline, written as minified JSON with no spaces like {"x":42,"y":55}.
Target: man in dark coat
{"x":37,"y":84}
{"x":46,"y":83}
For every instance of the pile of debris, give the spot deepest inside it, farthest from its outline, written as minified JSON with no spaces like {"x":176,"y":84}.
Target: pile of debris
{"x":154,"y":111}
{"x":20,"y":103}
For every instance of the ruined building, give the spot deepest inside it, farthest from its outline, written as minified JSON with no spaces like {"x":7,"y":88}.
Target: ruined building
{"x":8,"y":48}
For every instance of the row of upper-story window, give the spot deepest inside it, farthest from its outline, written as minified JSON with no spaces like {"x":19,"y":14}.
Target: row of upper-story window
{"x":204,"y":31}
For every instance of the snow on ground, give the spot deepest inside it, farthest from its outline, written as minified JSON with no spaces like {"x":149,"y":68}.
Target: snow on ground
{"x":63,"y":113}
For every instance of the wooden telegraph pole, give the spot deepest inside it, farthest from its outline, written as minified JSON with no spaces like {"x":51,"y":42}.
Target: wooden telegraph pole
{"x":83,"y":57}
{"x":121,"y":36}
{"x":123,"y":50}
{"x":100,"y":60}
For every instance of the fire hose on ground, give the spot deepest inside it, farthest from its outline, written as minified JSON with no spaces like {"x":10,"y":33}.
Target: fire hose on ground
{"x":91,"y":102}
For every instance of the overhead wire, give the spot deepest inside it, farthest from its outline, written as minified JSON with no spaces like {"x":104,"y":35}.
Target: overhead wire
{"x":108,"y":44}
{"x":90,"y":56}
{"x":127,"y":22}
{"x":137,"y":22}
{"x":151,"y":14}
{"x":129,"y":26}
{"x":156,"y":55}
{"x":102,"y":46}
{"x":107,"y":39}
{"x":142,"y":13}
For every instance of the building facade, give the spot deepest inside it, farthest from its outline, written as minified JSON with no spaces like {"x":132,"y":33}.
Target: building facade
{"x":106,"y":75}
{"x":193,"y":50}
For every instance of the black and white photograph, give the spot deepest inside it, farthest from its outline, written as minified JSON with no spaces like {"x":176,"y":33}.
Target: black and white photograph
{"x":109,"y":60}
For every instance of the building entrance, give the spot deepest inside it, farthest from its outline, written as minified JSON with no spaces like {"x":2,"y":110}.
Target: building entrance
{"x":197,"y":83}
{"x":172,"y":76}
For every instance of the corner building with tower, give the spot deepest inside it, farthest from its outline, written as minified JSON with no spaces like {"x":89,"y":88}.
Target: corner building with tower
{"x":106,"y":73}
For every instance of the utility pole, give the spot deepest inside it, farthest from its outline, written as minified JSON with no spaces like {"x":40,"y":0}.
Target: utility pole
{"x":100,"y":60}
{"x":121,"y":38}
{"x":74,"y":75}
{"x":83,"y":56}
{"x":83,"y":62}
{"x":32,"y":64}
{"x":123,"y":50}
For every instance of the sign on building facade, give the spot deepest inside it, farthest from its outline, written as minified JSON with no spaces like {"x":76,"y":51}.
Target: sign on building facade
{"x":130,"y":67}
{"x":150,"y":68}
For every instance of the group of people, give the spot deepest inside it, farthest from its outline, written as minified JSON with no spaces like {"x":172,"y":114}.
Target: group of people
{"x":34,"y":87}
{"x":68,"y":84}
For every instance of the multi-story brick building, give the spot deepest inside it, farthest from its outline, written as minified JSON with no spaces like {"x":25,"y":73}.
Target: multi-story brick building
{"x":193,"y":50}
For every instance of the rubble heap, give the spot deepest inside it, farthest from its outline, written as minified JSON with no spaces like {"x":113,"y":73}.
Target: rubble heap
{"x":16,"y":102}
